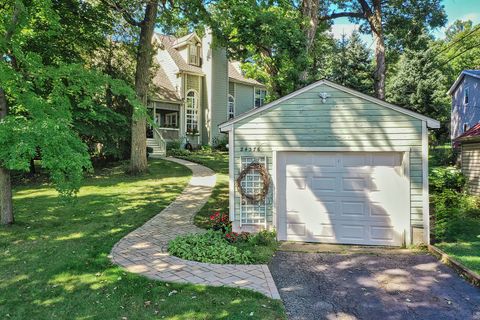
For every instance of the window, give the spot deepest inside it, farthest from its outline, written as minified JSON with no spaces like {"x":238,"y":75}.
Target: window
{"x":252,"y":212}
{"x":466,"y":94}
{"x":194,"y":54}
{"x":465,"y":127}
{"x":191,"y":116}
{"x":171,"y":120}
{"x":231,"y":107}
{"x":260,"y":95}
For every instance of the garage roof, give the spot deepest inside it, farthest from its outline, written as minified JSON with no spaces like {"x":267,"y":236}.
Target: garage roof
{"x":431,"y":123}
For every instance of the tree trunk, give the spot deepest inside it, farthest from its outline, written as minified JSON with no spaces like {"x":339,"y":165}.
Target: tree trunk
{"x":138,"y":158}
{"x":309,"y":10}
{"x":375,"y":20}
{"x":6,"y":205}
{"x":380,"y":67}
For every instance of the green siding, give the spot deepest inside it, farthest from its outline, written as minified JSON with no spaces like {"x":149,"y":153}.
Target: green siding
{"x":343,"y":121}
{"x":243,"y":98}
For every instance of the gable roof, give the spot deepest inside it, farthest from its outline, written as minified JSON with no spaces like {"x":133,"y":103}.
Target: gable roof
{"x":169,"y":43}
{"x":470,"y":134}
{"x":236,"y":76}
{"x":472,"y":73}
{"x":164,"y":90}
{"x":431,"y":123}
{"x":184,"y":40}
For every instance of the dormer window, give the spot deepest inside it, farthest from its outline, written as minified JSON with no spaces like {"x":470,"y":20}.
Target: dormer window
{"x":466,"y":94}
{"x":194,"y":54}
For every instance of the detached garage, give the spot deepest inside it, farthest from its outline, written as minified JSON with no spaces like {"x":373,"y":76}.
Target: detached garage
{"x":330,"y":164}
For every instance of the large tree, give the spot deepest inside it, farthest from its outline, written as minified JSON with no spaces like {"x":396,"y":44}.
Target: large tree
{"x":395,"y":23}
{"x":146,"y":25}
{"x":269,"y":36}
{"x":352,"y":65}
{"x":37,"y":97}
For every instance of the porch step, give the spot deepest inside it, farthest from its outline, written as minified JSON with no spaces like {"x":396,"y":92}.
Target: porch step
{"x":158,"y":151}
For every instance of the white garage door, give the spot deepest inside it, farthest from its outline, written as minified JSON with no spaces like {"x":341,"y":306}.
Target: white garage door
{"x":343,"y":197}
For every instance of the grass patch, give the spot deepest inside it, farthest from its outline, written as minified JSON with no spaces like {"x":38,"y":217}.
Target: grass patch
{"x":467,"y":253}
{"x":218,"y":161}
{"x":54,"y":261}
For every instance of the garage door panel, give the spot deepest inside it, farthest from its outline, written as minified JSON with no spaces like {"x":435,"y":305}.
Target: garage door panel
{"x":350,"y":197}
{"x":324,"y":184}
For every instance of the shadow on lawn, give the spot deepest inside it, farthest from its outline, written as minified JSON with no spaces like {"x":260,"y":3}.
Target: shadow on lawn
{"x":54,"y":261}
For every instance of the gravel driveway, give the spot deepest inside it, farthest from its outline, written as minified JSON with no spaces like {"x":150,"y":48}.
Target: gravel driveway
{"x":372,"y":286}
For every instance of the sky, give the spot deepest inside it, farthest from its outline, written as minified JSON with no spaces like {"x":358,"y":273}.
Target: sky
{"x":455,"y":9}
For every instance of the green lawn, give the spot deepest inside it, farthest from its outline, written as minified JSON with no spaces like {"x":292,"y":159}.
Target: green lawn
{"x":467,"y":253}
{"x":54,"y":261}
{"x":218,"y":161}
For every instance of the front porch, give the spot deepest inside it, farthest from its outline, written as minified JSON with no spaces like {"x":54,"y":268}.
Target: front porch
{"x":167,"y":117}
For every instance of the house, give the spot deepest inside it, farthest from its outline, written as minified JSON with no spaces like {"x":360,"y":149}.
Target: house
{"x":340,"y":167}
{"x":195,"y":89}
{"x":465,"y":127}
{"x":465,"y":94}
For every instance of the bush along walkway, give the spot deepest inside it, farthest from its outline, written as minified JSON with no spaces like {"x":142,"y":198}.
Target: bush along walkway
{"x":144,"y":251}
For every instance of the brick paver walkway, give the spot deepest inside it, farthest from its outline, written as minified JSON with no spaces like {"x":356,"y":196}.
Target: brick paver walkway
{"x":144,"y":251}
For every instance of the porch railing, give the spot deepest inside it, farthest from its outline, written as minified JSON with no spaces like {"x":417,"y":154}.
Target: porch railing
{"x":159,"y":140}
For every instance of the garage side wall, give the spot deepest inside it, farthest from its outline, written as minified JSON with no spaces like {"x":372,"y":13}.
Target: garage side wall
{"x":343,"y":121}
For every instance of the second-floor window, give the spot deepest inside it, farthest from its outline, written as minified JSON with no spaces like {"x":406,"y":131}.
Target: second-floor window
{"x":260,"y":95}
{"x":231,"y":107}
{"x":191,"y":112}
{"x":466,"y":94}
{"x":194,"y":54}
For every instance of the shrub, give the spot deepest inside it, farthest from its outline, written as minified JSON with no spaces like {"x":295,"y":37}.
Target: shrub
{"x":220,"y":221}
{"x":220,"y":144}
{"x":264,"y":238}
{"x":206,"y":148}
{"x":234,"y":237}
{"x":443,"y":155}
{"x":178,"y":153}
{"x":174,"y":144}
{"x":446,"y":178}
{"x":209,"y":247}
{"x":450,"y":211}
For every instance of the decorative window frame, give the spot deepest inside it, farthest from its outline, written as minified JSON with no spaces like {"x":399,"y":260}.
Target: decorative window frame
{"x":194,"y":59}
{"x":260,"y":97}
{"x":230,"y":107}
{"x":466,"y":95}
{"x":257,"y":210}
{"x":168,"y":120}
{"x":194,"y":116}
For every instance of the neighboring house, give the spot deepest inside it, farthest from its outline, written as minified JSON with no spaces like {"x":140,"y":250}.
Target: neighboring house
{"x":345,"y":168}
{"x":465,"y":127}
{"x":197,"y":88}
{"x":465,"y":94}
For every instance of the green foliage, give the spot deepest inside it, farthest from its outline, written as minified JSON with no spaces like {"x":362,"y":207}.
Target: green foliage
{"x":70,"y":245}
{"x":451,"y":210}
{"x":269,"y":34}
{"x":446,"y":178}
{"x":180,"y":153}
{"x":419,"y":84}
{"x":210,"y":247}
{"x":442,"y":155}
{"x":175,"y":144}
{"x":352,"y":64}
{"x":47,"y":93}
{"x":264,"y":238}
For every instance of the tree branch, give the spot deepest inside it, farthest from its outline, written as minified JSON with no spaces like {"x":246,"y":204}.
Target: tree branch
{"x":335,"y":15}
{"x":125,"y":14}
